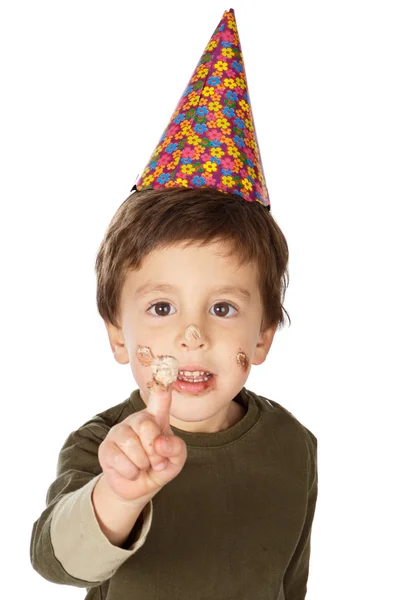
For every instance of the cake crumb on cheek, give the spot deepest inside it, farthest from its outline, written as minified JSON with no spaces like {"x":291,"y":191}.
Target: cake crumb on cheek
{"x":242,"y":360}
{"x":144,"y":355}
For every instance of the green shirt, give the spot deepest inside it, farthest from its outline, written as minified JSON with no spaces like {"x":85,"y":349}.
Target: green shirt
{"x":235,"y":524}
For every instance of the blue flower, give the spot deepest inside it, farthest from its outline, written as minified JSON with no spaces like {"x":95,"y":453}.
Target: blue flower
{"x":215,"y":143}
{"x":198,"y":180}
{"x":221,"y":28}
{"x":171,"y":148}
{"x":226,"y":172}
{"x":202,"y":111}
{"x":163,"y":136}
{"x":237,"y":66}
{"x":226,"y":44}
{"x":246,"y":97}
{"x":186,"y":161}
{"x":179,"y":118}
{"x":153,"y":164}
{"x":228,"y":112}
{"x":200,"y":128}
{"x":163,"y":178}
{"x":238,"y":141}
{"x":188,"y":90}
{"x":239,"y":123}
{"x":250,"y":162}
{"x":233,"y":96}
{"x":238,"y":192}
{"x":214,"y":81}
{"x":215,"y":159}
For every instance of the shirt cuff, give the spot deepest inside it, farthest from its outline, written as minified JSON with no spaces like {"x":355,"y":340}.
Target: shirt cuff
{"x":79,"y":543}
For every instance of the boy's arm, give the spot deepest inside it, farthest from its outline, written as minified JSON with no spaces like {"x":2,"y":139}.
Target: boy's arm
{"x":68,"y":544}
{"x":296,"y":576}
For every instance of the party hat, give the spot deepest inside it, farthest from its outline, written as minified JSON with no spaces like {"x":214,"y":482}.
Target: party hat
{"x":211,"y":140}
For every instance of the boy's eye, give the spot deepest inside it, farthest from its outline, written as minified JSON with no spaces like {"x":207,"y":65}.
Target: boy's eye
{"x":222,"y":309}
{"x":162,"y":309}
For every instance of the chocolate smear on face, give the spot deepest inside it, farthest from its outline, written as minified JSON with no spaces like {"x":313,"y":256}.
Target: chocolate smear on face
{"x":192,"y":333}
{"x":242,"y":360}
{"x":144,"y":355}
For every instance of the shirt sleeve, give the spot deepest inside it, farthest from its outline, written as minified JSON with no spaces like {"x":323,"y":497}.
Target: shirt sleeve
{"x":296,"y":576}
{"x":67,"y":543}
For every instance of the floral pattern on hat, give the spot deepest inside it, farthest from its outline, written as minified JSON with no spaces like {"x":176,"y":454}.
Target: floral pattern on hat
{"x":211,"y":140}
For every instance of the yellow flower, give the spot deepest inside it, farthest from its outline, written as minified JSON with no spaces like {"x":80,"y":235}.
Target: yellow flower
{"x":233,"y":151}
{"x":194,"y":101}
{"x":217,"y":152}
{"x":241,"y":83}
{"x":227,"y":180}
{"x":249,"y":124}
{"x":244,"y":105}
{"x":222,"y":123}
{"x":232,"y":25}
{"x":148,"y":180}
{"x":188,"y":169}
{"x":247,"y":185}
{"x":210,"y":166}
{"x":211,"y":45}
{"x":252,"y":172}
{"x":240,"y":113}
{"x":183,"y":182}
{"x":215,"y":106}
{"x":193,"y":140}
{"x":230,"y":83}
{"x":221,"y":66}
{"x":158,"y":171}
{"x":208,"y":91}
{"x":202,"y":72}
{"x":227,"y":52}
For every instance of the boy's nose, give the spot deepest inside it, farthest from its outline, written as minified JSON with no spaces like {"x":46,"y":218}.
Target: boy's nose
{"x":192,"y":338}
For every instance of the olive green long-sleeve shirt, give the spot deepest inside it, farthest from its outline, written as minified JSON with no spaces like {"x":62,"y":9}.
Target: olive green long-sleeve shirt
{"x":235,"y":524}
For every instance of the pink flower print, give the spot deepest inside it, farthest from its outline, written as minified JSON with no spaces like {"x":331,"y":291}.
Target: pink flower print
{"x":227,"y":163}
{"x":206,"y":156}
{"x":209,"y":179}
{"x":173,"y":129}
{"x":243,"y":173}
{"x":164,"y":159}
{"x":187,"y":152}
{"x":230,"y":73}
{"x":214,"y":134}
{"x":227,"y":36}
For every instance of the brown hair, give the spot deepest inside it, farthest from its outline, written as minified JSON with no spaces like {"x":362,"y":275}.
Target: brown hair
{"x":158,"y":218}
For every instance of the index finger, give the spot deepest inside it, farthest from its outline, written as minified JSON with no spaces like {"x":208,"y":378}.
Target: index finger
{"x":159,"y":404}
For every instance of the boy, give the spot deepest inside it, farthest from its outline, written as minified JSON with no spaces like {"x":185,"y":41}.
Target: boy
{"x":200,"y":489}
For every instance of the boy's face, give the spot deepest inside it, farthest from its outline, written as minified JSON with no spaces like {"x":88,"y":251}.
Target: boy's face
{"x":226,"y":327}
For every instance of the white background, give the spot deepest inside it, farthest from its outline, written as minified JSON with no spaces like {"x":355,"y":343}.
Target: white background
{"x":80,"y":114}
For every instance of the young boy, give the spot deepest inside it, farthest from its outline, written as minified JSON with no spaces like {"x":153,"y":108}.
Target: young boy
{"x":199,"y":489}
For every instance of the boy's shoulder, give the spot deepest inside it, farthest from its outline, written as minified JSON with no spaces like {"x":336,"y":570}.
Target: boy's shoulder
{"x":268,"y":405}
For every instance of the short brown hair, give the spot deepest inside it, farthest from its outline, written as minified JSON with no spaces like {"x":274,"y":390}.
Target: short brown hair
{"x":152,"y":219}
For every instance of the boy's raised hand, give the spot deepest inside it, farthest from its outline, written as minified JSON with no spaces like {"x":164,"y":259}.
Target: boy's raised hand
{"x":141,"y":454}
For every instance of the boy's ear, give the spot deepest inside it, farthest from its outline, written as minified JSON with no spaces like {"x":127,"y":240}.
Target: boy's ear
{"x":116,"y":341}
{"x":263,"y":345}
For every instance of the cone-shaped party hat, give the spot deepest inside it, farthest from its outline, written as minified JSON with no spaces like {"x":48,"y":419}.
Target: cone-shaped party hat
{"x":211,"y":140}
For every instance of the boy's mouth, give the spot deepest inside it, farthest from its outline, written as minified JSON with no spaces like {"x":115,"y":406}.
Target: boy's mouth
{"x":194,"y":379}
{"x":194,"y":376}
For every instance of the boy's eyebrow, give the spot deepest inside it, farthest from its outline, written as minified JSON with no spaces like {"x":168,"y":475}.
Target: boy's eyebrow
{"x":152,"y":286}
